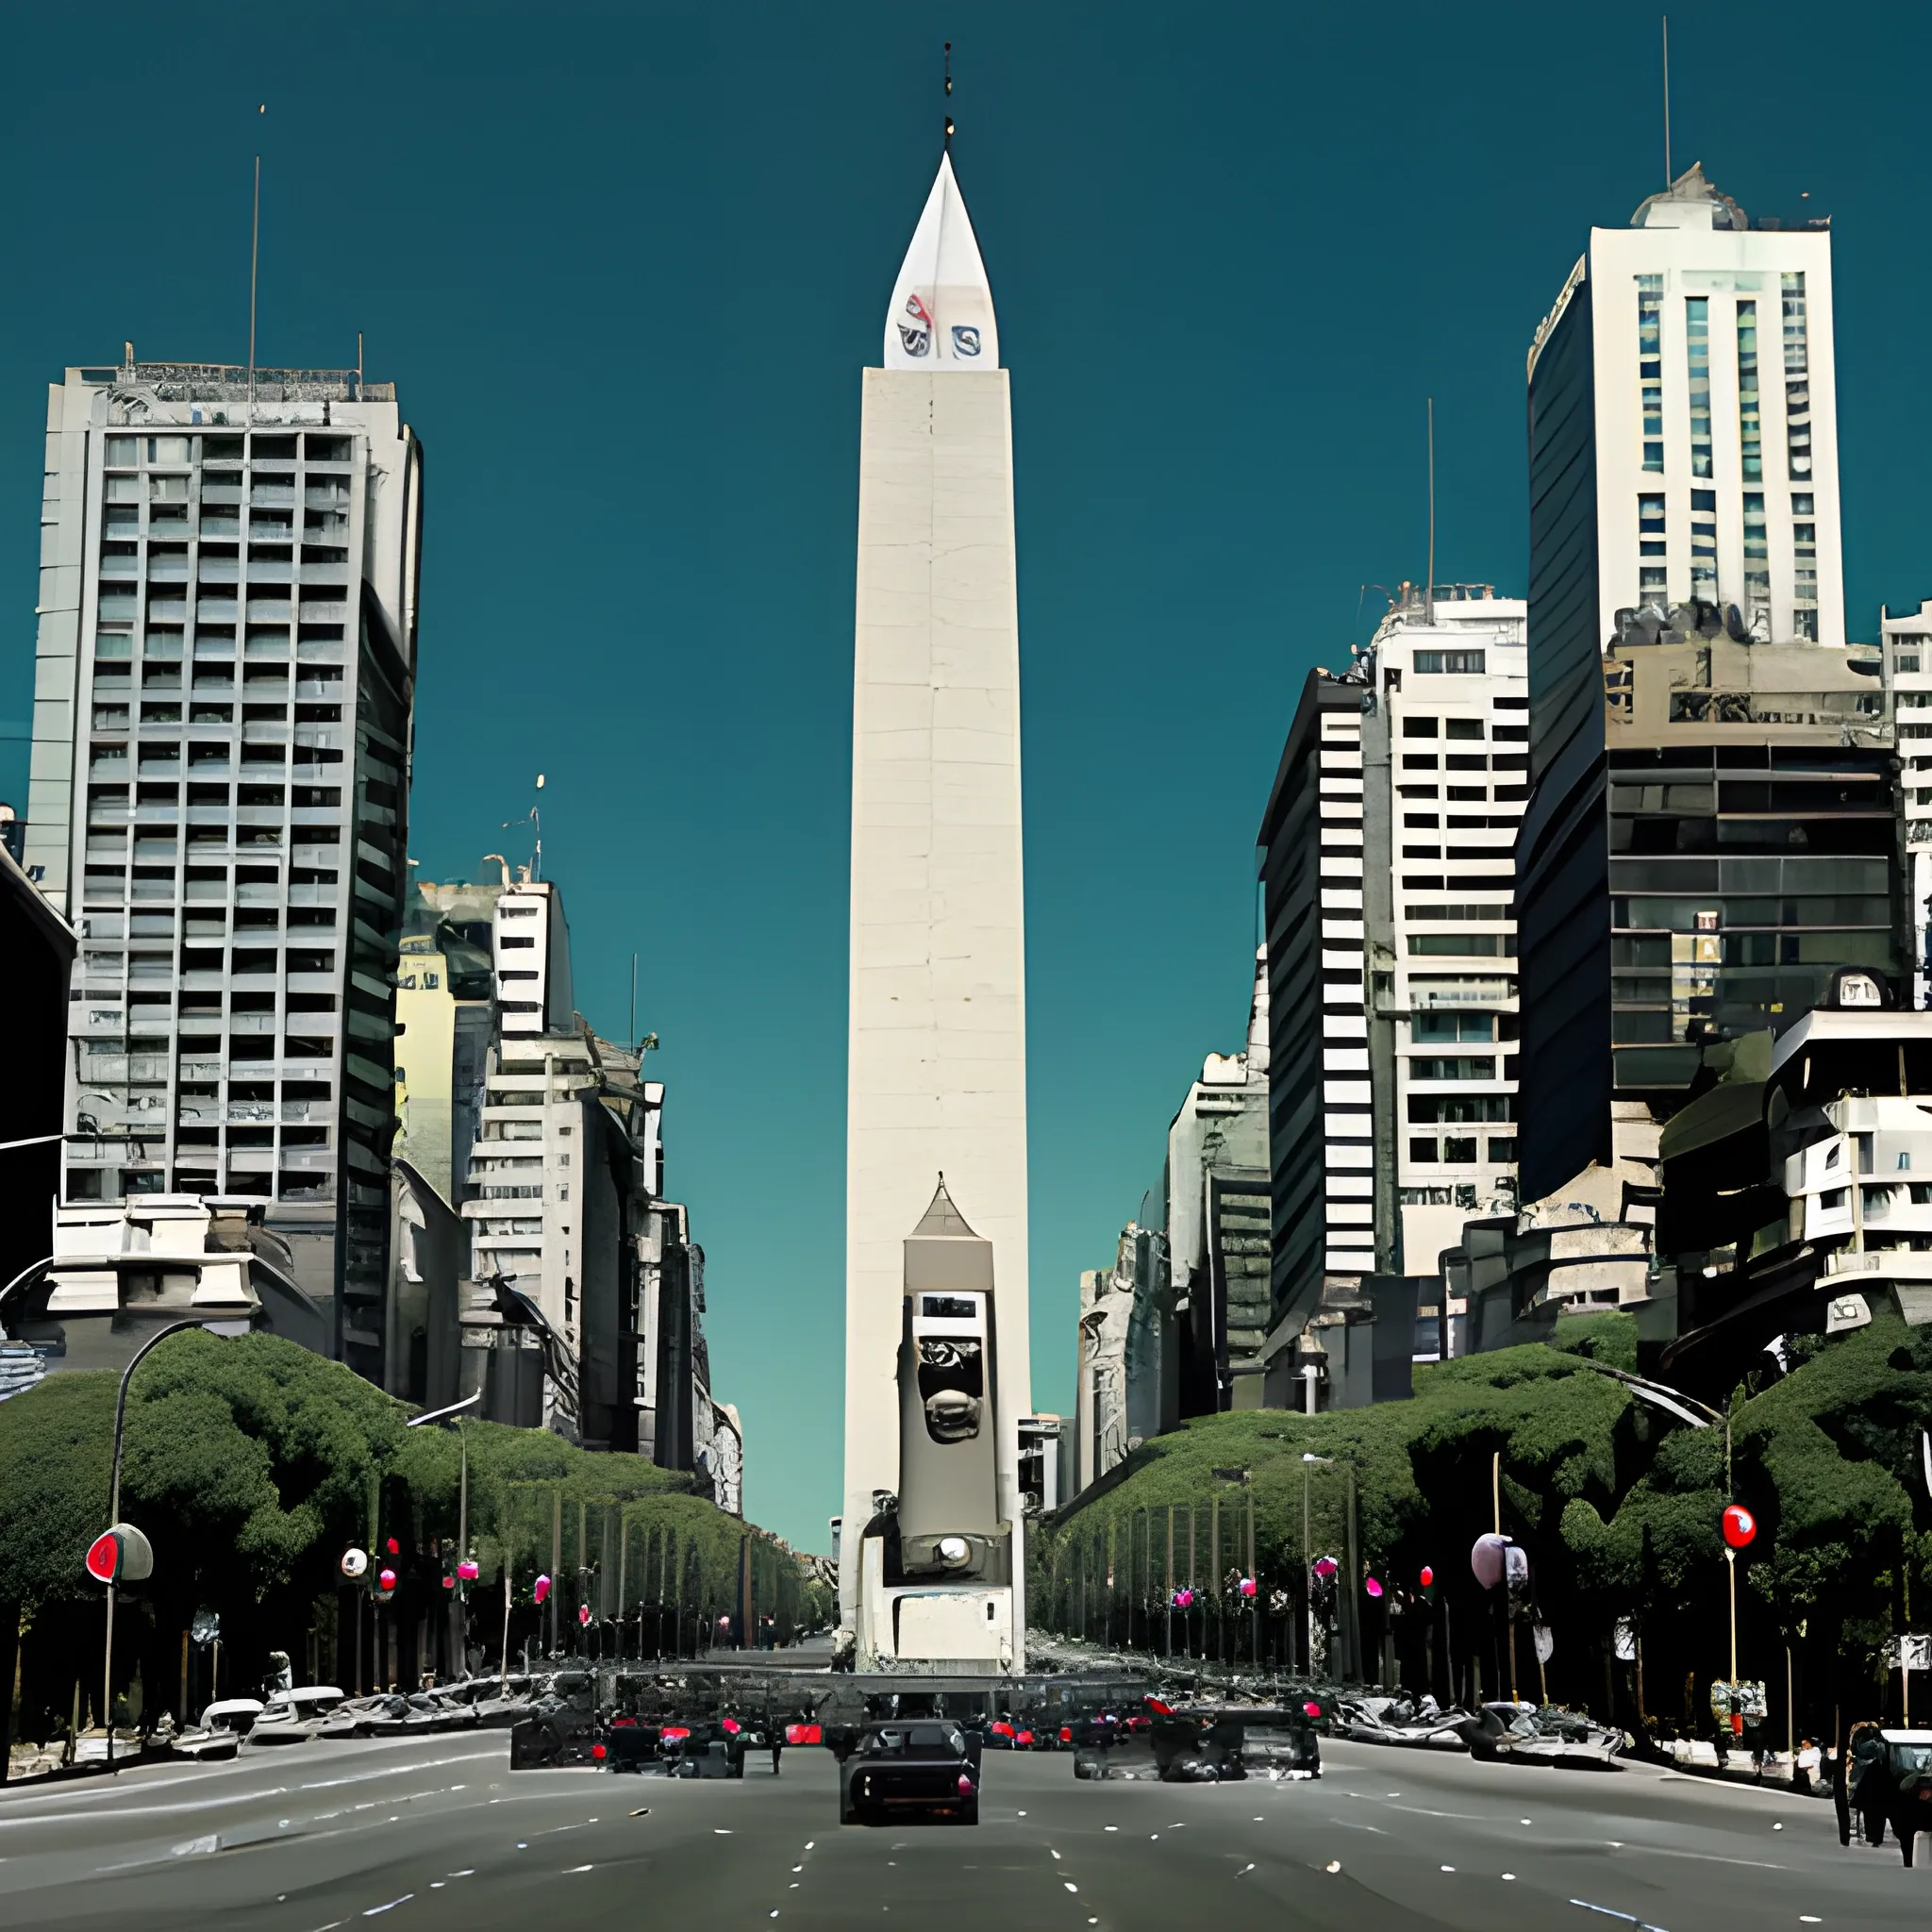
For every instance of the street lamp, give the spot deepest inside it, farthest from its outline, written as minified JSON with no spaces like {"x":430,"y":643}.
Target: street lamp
{"x":443,"y":1415}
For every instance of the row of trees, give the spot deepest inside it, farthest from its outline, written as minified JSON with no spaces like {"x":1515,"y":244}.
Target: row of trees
{"x":252,"y":1465}
{"x":1617,"y":1503}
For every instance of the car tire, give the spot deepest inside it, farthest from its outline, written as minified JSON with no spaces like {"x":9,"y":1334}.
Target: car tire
{"x":1904,"y":1846}
{"x":969,"y":1812}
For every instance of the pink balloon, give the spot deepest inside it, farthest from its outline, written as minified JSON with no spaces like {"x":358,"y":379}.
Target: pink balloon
{"x":584,"y":1614}
{"x":542,"y":1589}
{"x":1372,"y":1587}
{"x":1325,"y":1566}
{"x":387,"y":1580}
{"x":467,"y":1570}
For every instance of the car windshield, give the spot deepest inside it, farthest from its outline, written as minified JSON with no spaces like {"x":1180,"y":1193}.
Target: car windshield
{"x":1906,"y":1759}
{"x":916,"y":1740}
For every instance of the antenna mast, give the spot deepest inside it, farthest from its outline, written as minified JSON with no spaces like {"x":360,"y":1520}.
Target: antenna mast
{"x":1668,"y":178}
{"x":1429,"y":587}
{"x":949,"y":95}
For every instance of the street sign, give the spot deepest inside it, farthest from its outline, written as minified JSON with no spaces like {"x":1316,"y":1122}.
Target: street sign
{"x":206,"y":1628}
{"x":1545,"y":1644}
{"x":1625,"y":1640}
{"x":1909,"y":1652}
{"x":1733,"y":1703}
{"x":121,"y":1554}
{"x":354,"y":1564}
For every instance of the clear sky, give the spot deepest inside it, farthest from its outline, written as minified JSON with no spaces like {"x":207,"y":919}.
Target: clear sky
{"x":625,"y":264}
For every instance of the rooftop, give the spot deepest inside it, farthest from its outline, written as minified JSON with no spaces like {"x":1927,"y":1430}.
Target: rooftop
{"x":941,"y":315}
{"x":227,"y":382}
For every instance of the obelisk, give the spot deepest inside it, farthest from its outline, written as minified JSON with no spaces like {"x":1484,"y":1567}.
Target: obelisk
{"x":936,"y":1070}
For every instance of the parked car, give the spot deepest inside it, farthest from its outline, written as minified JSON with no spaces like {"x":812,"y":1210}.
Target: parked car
{"x":219,"y":1734}
{"x":294,"y":1717}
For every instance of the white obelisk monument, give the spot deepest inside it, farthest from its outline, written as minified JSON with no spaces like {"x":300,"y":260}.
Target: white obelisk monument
{"x":937,"y":1076}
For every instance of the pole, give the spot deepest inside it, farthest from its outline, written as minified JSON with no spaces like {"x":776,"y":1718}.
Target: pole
{"x":1169,"y":1579}
{"x":460,"y":1590}
{"x":1731,"y":1572}
{"x":254,"y":263}
{"x":114,"y":1516}
{"x":1308,"y":1582}
{"x":1429,"y":587}
{"x":1667,"y":100}
{"x":556,"y":1555}
{"x":1791,"y":1719}
{"x":507,"y":1567}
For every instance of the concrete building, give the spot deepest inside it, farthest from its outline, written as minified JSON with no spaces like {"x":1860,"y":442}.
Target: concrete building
{"x":225,"y":672}
{"x":39,"y":947}
{"x":1387,"y":874}
{"x":936,"y":1081}
{"x":1216,"y":1189}
{"x":1711,"y":831}
{"x":1906,"y":642}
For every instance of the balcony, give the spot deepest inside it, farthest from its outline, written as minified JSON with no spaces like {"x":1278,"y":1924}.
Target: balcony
{"x":167,"y":570}
{"x":268,"y":611}
{"x":270,"y":571}
{"x":218,"y":526}
{"x":272,"y":495}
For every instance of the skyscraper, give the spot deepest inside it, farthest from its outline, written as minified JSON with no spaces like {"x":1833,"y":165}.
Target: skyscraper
{"x":1386,"y":871}
{"x":1710,"y":831}
{"x":937,"y":1079}
{"x":219,"y":793}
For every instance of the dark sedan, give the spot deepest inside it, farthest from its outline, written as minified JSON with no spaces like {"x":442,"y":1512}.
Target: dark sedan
{"x":929,"y":1766}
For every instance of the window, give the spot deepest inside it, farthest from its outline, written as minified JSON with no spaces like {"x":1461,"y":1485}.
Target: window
{"x":1466,"y":1068}
{"x":1652,"y":544}
{"x":1464,"y":727}
{"x":1650,"y":367}
{"x":1704,"y":544}
{"x":1804,"y":567}
{"x":1434,"y":1026}
{"x":1461,"y":1109}
{"x":1473,"y":945}
{"x":1757,"y":567}
{"x":1697,"y":354}
{"x":1502,"y":1146}
{"x":1797,"y":380}
{"x":1423,"y":1150}
{"x":1459,"y":1147}
{"x":1750,"y":426}
{"x":1454,"y":664}
{"x":1413,"y":820}
{"x":1418,"y":727}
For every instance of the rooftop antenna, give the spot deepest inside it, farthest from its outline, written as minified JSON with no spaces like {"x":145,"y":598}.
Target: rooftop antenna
{"x":949,"y":95}
{"x":1668,"y":176}
{"x":1429,"y":587}
{"x":358,"y":364}
{"x":254,"y":264}
{"x":632,"y":1035}
{"x":537,"y":824}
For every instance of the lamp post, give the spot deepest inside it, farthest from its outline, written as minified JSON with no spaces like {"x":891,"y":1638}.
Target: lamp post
{"x":114,"y":1517}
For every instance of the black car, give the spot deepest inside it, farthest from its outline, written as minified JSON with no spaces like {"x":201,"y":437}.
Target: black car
{"x":922,"y":1764}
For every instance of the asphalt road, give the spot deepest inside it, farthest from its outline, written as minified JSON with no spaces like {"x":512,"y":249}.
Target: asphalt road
{"x":437,"y":1832}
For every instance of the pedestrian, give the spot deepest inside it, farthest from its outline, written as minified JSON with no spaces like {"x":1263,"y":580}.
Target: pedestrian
{"x":777,"y":1745}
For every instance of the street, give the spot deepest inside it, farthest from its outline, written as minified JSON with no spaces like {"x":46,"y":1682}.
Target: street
{"x":437,"y":1831}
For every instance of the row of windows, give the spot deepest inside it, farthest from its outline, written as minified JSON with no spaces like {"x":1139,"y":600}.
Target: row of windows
{"x":182,"y":451}
{"x":1458,"y":1149}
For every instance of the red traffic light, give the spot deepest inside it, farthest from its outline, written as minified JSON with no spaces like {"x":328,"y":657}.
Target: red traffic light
{"x":394,"y":1548}
{"x":1429,"y":1577}
{"x":1739,"y":1525}
{"x":386,"y":1579}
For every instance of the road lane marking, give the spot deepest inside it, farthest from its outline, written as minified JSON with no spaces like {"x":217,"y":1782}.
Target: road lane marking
{"x":1610,"y":1912}
{"x":394,"y":1902}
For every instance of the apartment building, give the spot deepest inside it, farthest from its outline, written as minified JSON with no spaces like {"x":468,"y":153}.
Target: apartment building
{"x":218,"y":797}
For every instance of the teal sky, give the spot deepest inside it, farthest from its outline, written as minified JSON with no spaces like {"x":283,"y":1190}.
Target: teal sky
{"x":625,"y":264}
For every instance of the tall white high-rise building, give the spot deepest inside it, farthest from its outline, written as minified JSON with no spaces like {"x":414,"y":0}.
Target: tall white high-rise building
{"x":1709,"y":830}
{"x":938,"y":1058}
{"x":219,"y":793}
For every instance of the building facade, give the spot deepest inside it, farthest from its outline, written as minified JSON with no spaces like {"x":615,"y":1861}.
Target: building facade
{"x":1387,"y":871}
{"x":937,"y":1078}
{"x":224,"y":682}
{"x":1215,"y":1183}
{"x":1907,"y":643}
{"x":1711,"y":830}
